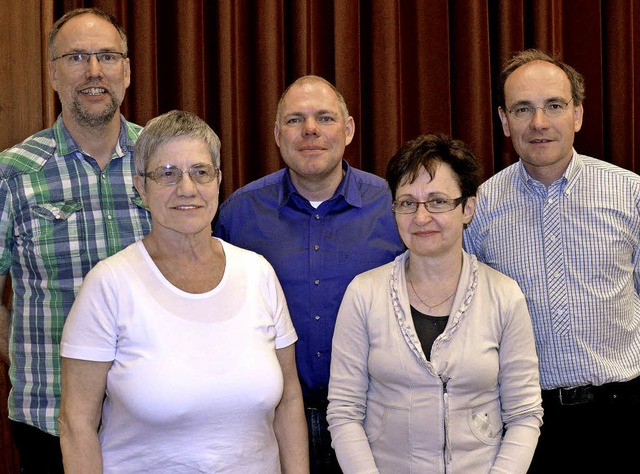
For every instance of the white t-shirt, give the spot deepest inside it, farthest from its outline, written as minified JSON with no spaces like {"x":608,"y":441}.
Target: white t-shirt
{"x":195,"y":379}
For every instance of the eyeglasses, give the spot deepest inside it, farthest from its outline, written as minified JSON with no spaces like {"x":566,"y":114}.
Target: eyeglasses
{"x":169,"y":175}
{"x":80,"y":59}
{"x":553,"y":109}
{"x":435,"y":205}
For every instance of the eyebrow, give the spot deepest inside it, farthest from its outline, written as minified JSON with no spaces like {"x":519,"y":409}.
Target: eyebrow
{"x":546,"y":101}
{"x":411,"y":197}
{"x":319,"y":112}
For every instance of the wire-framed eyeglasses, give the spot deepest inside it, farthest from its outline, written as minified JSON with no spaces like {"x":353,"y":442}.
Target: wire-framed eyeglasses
{"x":554,"y":108}
{"x":81,"y":59}
{"x":435,"y":205}
{"x":168,"y":175}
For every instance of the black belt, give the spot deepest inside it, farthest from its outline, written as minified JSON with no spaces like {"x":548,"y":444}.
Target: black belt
{"x":316,"y":404}
{"x":593,"y":393}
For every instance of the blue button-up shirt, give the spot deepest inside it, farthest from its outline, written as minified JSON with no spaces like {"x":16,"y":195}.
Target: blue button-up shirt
{"x":315,"y":252}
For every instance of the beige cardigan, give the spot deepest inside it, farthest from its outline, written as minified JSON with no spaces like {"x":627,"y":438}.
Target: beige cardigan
{"x":392,"y":411}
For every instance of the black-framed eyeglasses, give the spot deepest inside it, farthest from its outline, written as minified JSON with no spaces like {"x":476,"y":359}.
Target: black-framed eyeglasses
{"x":435,"y":205}
{"x":79,"y":58}
{"x":551,"y":109}
{"x":201,"y":173}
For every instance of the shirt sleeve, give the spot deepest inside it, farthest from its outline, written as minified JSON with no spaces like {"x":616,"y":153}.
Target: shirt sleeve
{"x":519,"y":387}
{"x":348,"y":386}
{"x":285,"y":331}
{"x":636,"y":255}
{"x":90,"y":331}
{"x":6,"y":228}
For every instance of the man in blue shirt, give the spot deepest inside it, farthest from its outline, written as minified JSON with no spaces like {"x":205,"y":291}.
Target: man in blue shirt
{"x":319,"y":222}
{"x":566,"y":227}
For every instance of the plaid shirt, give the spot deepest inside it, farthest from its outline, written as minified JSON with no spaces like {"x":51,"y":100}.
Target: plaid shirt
{"x":59,"y":215}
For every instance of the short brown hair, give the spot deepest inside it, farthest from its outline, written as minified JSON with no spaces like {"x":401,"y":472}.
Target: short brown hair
{"x":55,"y":29}
{"x":311,"y":79}
{"x":428,"y":151}
{"x":524,"y":57}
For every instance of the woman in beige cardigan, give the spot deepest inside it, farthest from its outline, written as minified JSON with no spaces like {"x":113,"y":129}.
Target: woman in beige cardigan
{"x":434,"y":366}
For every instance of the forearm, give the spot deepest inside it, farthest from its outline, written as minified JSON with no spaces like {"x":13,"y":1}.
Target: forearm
{"x":350,"y":440}
{"x":517,"y":448}
{"x":5,"y":328}
{"x":81,"y":452}
{"x":83,"y":386}
{"x":290,"y":428}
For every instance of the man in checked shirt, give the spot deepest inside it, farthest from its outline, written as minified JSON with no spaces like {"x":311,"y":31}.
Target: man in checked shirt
{"x":66,"y":202}
{"x":566,"y":227}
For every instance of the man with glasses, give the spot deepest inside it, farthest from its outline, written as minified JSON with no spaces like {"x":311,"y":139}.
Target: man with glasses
{"x":566,"y":227}
{"x":319,"y":222}
{"x":66,"y":202}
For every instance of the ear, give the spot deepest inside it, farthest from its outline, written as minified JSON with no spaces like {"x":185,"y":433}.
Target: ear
{"x":276,"y":133}
{"x":469,"y":209}
{"x":53,"y":75}
{"x":505,"y":122}
{"x":127,"y":73}
{"x":349,"y":129}
{"x":577,"y":117}
{"x":139,"y":184}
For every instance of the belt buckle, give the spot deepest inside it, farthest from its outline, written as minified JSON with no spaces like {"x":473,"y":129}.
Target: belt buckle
{"x":575,"y":395}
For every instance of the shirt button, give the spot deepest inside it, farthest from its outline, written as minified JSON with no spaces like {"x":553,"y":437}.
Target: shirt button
{"x":109,"y":216}
{"x":316,"y":247}
{"x":316,"y":282}
{"x":317,"y":216}
{"x":317,"y":317}
{"x":318,"y":354}
{"x":104,"y":176}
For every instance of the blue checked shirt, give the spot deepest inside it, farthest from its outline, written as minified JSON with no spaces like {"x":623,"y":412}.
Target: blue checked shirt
{"x":574,"y":248}
{"x":315,"y":252}
{"x":59,"y":215}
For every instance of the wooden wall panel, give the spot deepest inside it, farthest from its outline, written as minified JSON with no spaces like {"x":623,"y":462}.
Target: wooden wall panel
{"x":20,"y":71}
{"x":21,"y":114}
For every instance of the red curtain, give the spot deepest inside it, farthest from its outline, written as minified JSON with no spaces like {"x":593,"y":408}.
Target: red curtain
{"x":405,"y":67}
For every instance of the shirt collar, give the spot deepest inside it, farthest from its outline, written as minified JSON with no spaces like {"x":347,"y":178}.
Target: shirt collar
{"x":347,"y":189}
{"x":66,"y":145}
{"x":569,"y":176}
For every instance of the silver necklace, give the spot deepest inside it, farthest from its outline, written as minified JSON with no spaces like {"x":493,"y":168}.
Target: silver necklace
{"x":422,"y":301}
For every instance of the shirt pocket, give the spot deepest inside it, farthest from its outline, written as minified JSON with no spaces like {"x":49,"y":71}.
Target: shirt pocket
{"x":486,"y":424}
{"x":57,"y":230}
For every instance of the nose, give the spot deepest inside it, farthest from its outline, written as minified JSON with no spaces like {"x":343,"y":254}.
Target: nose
{"x":94,"y":68}
{"x":539,"y":119}
{"x":310,"y":127}
{"x":186,"y":186}
{"x":422,"y":215}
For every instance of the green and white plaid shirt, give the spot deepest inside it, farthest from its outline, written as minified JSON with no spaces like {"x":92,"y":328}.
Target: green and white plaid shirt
{"x":59,"y":215}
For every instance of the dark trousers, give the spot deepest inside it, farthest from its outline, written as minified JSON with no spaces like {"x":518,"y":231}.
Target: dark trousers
{"x":39,"y":451}
{"x":322,"y":457}
{"x":590,"y":430}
